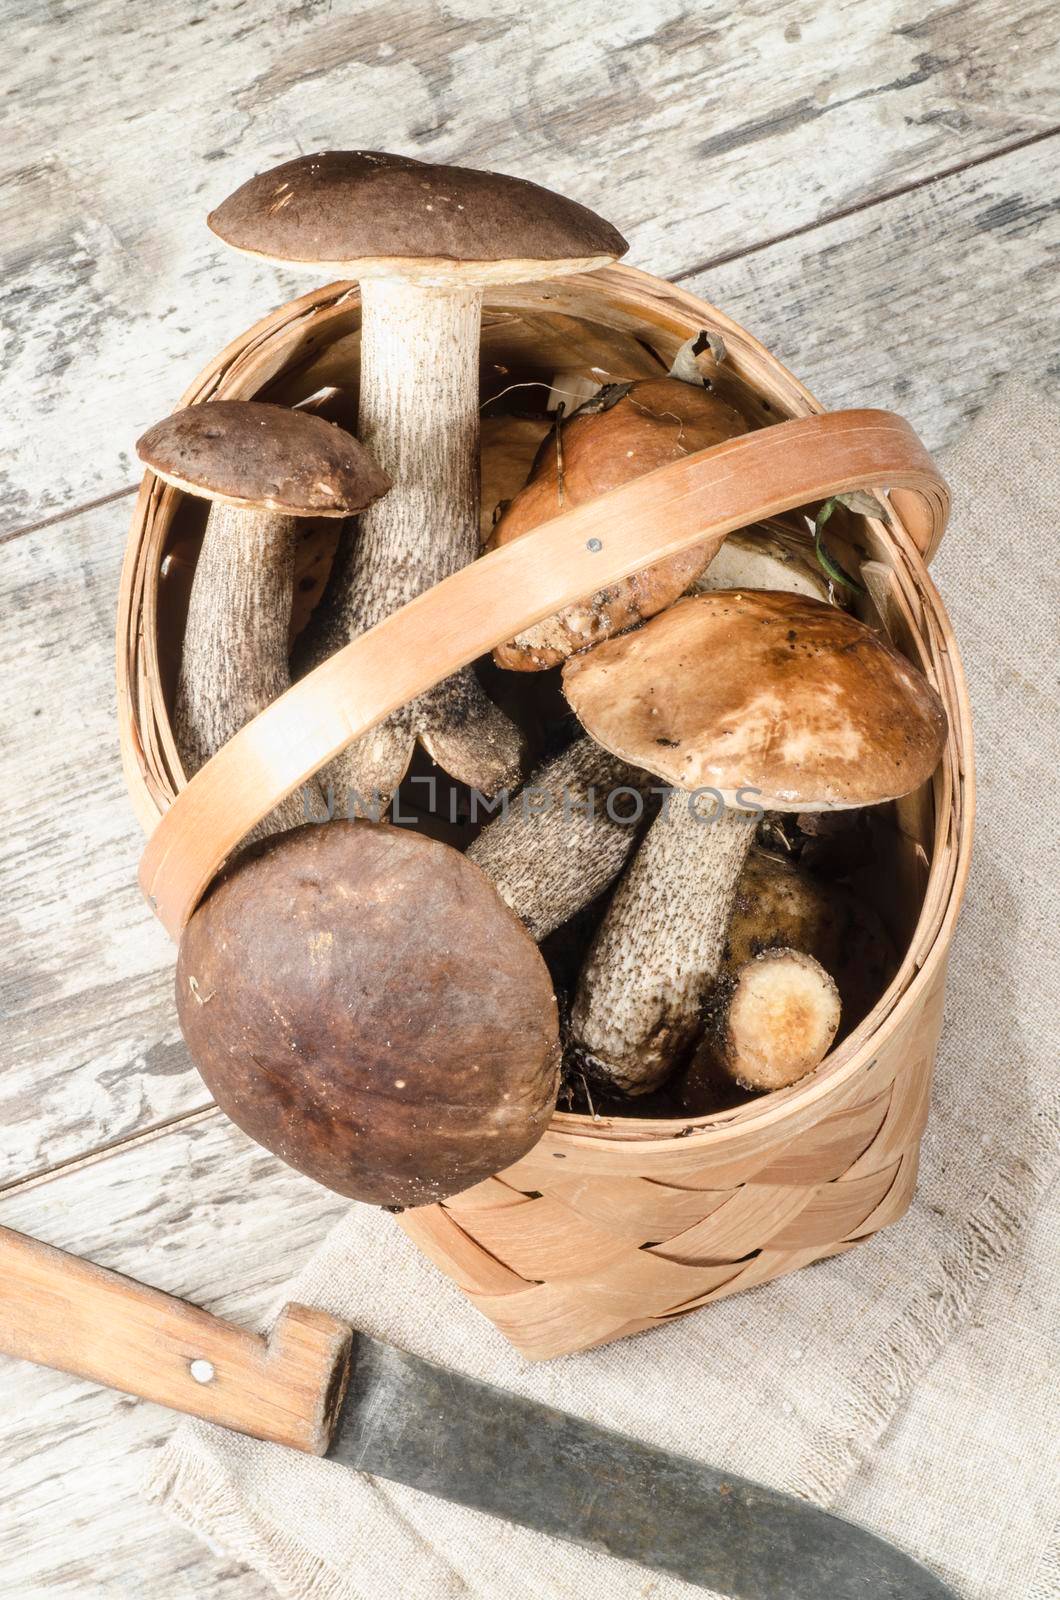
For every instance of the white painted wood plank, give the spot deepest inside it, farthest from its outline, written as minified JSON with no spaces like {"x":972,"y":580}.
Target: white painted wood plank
{"x":921,"y":304}
{"x":204,"y":1214}
{"x":90,"y":1047}
{"x":699,"y":131}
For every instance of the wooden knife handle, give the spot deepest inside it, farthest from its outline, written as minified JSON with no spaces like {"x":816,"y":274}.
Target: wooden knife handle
{"x":62,"y":1312}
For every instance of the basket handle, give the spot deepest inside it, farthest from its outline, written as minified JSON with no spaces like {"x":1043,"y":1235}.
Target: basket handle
{"x":698,"y":499}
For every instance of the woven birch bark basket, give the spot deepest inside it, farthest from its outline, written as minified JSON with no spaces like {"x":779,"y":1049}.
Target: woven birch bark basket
{"x":610,"y":1225}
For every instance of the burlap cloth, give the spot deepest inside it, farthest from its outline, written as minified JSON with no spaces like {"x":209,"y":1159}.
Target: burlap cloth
{"x":819,"y":1383}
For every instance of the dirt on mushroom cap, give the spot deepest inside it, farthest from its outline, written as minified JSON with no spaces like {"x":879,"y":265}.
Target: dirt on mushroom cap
{"x":363,"y":206}
{"x":251,"y":454}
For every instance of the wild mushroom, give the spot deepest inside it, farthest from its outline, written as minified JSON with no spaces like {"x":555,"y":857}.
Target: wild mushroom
{"x":780,"y":904}
{"x":262,"y":467}
{"x":423,"y":241}
{"x":769,"y":1026}
{"x":652,"y":421}
{"x":559,"y":844}
{"x":509,"y":445}
{"x":360,"y":1002}
{"x":759,"y":701}
{"x":768,"y":557}
{"x":564,"y":836}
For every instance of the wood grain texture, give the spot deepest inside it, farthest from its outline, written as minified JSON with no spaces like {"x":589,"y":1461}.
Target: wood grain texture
{"x":700,"y":133}
{"x":90,"y":1047}
{"x":925,"y":302}
{"x":61,"y":1311}
{"x":195,"y":1211}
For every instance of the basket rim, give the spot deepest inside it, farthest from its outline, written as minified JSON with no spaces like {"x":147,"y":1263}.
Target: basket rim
{"x":950,"y":861}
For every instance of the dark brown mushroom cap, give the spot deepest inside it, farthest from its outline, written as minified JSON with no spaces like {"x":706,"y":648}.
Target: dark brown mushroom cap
{"x":262,"y":457}
{"x":776,"y":693}
{"x":355,"y":208}
{"x":361,"y":1002}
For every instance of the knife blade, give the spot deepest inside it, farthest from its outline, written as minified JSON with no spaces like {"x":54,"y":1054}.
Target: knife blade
{"x":317,"y":1385}
{"x":463,"y":1440}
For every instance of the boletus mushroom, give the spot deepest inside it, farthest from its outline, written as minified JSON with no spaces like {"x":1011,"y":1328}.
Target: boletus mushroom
{"x":262,"y":467}
{"x":769,"y":556}
{"x":780,"y":904}
{"x":745,"y":701}
{"x":360,"y":1002}
{"x":509,"y":446}
{"x":423,"y":241}
{"x":768,"y":1026}
{"x":654,"y":421}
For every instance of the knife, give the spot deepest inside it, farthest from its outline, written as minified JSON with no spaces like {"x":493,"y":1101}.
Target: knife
{"x":317,"y":1385}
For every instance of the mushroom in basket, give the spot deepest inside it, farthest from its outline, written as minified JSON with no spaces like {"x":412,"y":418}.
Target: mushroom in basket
{"x":360,"y":1002}
{"x":550,"y":860}
{"x":744,"y":701}
{"x":570,"y":831}
{"x":423,"y":241}
{"x":621,"y":434}
{"x":566,"y":835}
{"x":262,"y":467}
{"x":779,"y":904}
{"x":766,"y":1027}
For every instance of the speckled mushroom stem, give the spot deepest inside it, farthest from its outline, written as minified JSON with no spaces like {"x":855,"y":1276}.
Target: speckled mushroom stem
{"x":659,"y":948}
{"x":566,"y":835}
{"x":234,"y":660}
{"x":419,"y":416}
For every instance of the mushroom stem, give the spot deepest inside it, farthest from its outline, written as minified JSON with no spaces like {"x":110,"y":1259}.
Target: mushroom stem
{"x":234,"y":660}
{"x":772,"y":1024}
{"x":660,"y":945}
{"x":565,"y":836}
{"x":419,"y":416}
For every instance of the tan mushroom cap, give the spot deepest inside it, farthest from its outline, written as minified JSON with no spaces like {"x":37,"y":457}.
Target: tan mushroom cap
{"x":362,"y":213}
{"x":761,"y":691}
{"x":656,"y":421}
{"x":262,"y":457}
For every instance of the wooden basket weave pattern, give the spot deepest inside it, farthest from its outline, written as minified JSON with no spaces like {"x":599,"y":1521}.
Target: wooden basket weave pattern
{"x":595,"y":1257}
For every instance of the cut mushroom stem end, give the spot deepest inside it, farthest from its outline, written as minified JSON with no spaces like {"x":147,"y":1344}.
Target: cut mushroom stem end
{"x":768,"y":1026}
{"x":803,"y":707}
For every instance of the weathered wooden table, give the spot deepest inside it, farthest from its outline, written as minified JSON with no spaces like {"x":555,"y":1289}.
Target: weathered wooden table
{"x":871,"y":188}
